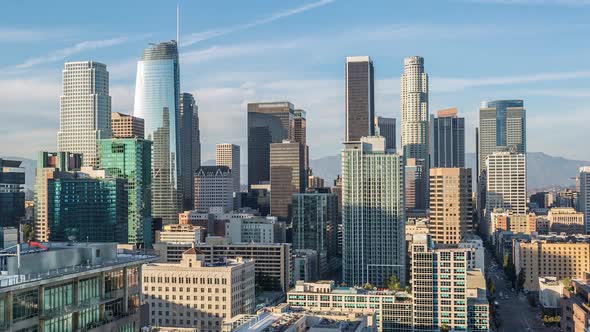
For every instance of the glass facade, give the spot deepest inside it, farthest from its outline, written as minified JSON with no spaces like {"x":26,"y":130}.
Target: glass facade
{"x":448,"y":142}
{"x":157,"y":101}
{"x":25,"y":304}
{"x":190,"y":139}
{"x":12,"y":197}
{"x":57,"y":298}
{"x":89,"y":289}
{"x":360,"y":98}
{"x":130,"y":159}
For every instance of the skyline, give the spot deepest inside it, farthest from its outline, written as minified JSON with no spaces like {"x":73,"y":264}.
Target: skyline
{"x":287,"y":53}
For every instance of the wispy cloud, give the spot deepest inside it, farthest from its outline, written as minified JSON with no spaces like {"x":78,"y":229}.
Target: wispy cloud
{"x":225,"y":51}
{"x":533,"y":2}
{"x":63,"y":53}
{"x":209,"y":34}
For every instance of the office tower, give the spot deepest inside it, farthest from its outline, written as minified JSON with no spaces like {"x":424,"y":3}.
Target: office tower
{"x":305,"y":265}
{"x":50,"y":165}
{"x":448,"y":139}
{"x":267,"y":123}
{"x":299,"y":133}
{"x":255,"y":229}
{"x":287,"y":176}
{"x":561,"y":257}
{"x":85,"y":109}
{"x":12,"y":196}
{"x":77,"y":287}
{"x":213,"y":188}
{"x":131,"y":159}
{"x":566,"y":220}
{"x":337,"y":190}
{"x":392,"y":309}
{"x":314,"y":181}
{"x":315,"y":226}
{"x":126,"y":126}
{"x":229,"y":155}
{"x":196,"y":294}
{"x":360,"y":98}
{"x":87,"y":207}
{"x":506,"y":182}
{"x":502,"y":127}
{"x":273,"y":261}
{"x":415,"y":196}
{"x":446,"y":292}
{"x":157,"y":101}
{"x":190,"y":147}
{"x":450,"y":204}
{"x":373,"y":214}
{"x":386,"y":127}
{"x":584,"y":200}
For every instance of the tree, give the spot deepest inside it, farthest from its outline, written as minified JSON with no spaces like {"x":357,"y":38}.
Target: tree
{"x":444,"y":328}
{"x":28,"y":232}
{"x":567,"y":284}
{"x":368,"y":286}
{"x":393,"y":283}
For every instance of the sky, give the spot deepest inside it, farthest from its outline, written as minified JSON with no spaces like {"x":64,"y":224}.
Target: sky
{"x":236,"y":52}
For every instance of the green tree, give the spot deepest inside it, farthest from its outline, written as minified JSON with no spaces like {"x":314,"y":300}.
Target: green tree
{"x":393,"y":283}
{"x":368,"y":286}
{"x":567,"y":283}
{"x":28,"y":232}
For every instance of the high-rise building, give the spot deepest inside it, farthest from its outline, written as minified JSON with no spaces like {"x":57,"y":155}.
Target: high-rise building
{"x":71,"y":287}
{"x":373,"y":213}
{"x":190,"y":147}
{"x":584,"y":200}
{"x":299,"y":133}
{"x":50,"y":165}
{"x":157,"y":101}
{"x":502,"y":127}
{"x":451,"y":204}
{"x":315,"y":226}
{"x":448,"y":139}
{"x":267,"y":123}
{"x":386,"y":127}
{"x":197,"y":294}
{"x":415,"y":196}
{"x":360,"y":98}
{"x":12,"y":196}
{"x":287,"y":176}
{"x":131,"y":159}
{"x":126,"y":126}
{"x":229,"y":155}
{"x":213,"y":188}
{"x":85,"y":109}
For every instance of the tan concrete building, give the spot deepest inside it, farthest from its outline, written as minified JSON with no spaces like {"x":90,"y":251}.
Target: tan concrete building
{"x":197,"y":294}
{"x":181,"y":233}
{"x":287,"y":176}
{"x":227,"y":154}
{"x":566,"y":220}
{"x":450,"y":204}
{"x":126,"y":126}
{"x":575,"y":307}
{"x":550,"y":258}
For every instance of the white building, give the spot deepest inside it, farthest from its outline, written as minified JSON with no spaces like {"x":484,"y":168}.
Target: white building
{"x":414,"y":109}
{"x":85,"y":109}
{"x":550,"y":292}
{"x":229,"y":155}
{"x":213,"y":188}
{"x":585,"y":195}
{"x":181,"y":233}
{"x":255,"y":229}
{"x":477,"y":259}
{"x":197,"y":294}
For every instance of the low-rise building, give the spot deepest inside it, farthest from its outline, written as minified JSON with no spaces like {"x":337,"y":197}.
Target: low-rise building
{"x":256,"y":229}
{"x":196,"y":293}
{"x":550,"y":292}
{"x":575,"y":306}
{"x":181,"y":233}
{"x":305,"y":265}
{"x":214,"y":221}
{"x":566,"y":220}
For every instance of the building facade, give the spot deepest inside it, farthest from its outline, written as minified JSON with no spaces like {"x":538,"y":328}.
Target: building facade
{"x":255,"y":230}
{"x":229,"y":155}
{"x":287,"y":176}
{"x":373,"y":213}
{"x":359,"y":97}
{"x":213,"y":188}
{"x":85,"y":109}
{"x":448,"y":139}
{"x":386,"y":127}
{"x":12,"y":196}
{"x":157,"y":101}
{"x":414,"y":109}
{"x":131,"y":159}
{"x":584,"y":200}
{"x":190,"y":139}
{"x":575,"y":311}
{"x":126,"y":126}
{"x":566,"y":220}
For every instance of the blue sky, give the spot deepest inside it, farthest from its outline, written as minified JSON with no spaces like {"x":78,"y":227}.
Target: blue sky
{"x":235,"y":52}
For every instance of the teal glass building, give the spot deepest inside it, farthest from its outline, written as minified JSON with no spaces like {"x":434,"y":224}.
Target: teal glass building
{"x":157,"y":101}
{"x":130,"y":159}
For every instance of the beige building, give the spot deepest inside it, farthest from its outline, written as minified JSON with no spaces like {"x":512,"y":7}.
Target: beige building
{"x":287,"y":176}
{"x":550,"y":258}
{"x":197,"y":294}
{"x":229,"y":155}
{"x":126,"y":126}
{"x":450,"y":204}
{"x":575,"y":308}
{"x":566,"y":220}
{"x":181,"y":233}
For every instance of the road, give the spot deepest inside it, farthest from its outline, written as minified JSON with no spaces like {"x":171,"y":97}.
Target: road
{"x":514,"y":311}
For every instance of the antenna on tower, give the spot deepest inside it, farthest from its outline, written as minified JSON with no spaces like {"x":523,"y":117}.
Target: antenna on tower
{"x":178,"y":23}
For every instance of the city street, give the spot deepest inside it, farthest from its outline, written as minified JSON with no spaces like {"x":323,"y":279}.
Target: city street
{"x":515,"y":313}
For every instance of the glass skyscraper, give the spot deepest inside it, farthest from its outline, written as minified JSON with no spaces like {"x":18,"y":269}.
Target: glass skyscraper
{"x":12,"y":196}
{"x":360,"y":98}
{"x":373,"y":214}
{"x":448,"y":139}
{"x":130,"y":159}
{"x":157,"y":101}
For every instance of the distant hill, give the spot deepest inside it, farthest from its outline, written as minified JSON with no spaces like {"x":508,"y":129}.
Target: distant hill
{"x":543,"y":170}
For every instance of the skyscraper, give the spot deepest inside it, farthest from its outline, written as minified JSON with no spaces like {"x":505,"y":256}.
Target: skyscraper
{"x":299,"y":134}
{"x":502,"y":127}
{"x":287,"y":176}
{"x":157,"y":101}
{"x":585,"y":196}
{"x":213,"y":188}
{"x":12,"y":196}
{"x":85,"y":109}
{"x":131,"y":159}
{"x":372,"y":212}
{"x":448,"y":139}
{"x":229,"y":155}
{"x":360,"y":98}
{"x":451,"y":204}
{"x":190,"y":147}
{"x":414,"y":178}
{"x":386,"y":128}
{"x":267,"y":123}
{"x":126,"y":126}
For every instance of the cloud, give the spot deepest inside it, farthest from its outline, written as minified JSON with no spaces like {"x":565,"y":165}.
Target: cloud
{"x":206,"y":35}
{"x":533,"y":2}
{"x":227,"y":51}
{"x":63,"y":53}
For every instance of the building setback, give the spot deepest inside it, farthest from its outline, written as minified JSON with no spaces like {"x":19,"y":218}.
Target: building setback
{"x":359,"y":98}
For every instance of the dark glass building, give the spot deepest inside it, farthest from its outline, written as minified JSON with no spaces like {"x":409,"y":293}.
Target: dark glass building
{"x":267,"y":123}
{"x":360,"y":98}
{"x":190,"y":139}
{"x":12,"y":196}
{"x":287,"y":176}
{"x":448,"y":140}
{"x":386,"y":127}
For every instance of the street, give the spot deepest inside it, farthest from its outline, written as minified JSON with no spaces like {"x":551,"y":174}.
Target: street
{"x":514,"y":311}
